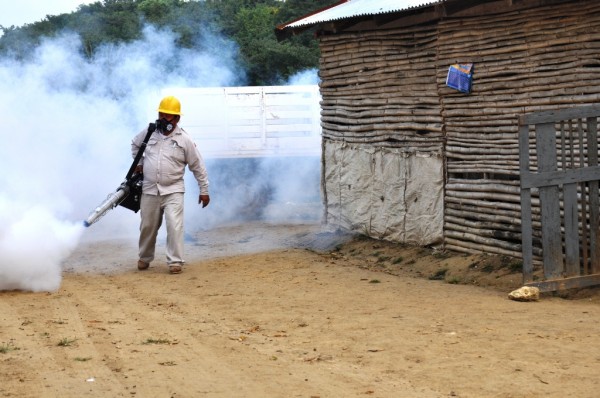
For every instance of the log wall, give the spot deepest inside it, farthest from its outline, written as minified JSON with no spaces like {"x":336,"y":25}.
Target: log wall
{"x":543,"y":58}
{"x":387,"y":88}
{"x":380,"y":89}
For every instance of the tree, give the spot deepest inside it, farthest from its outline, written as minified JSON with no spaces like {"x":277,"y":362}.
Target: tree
{"x":250,"y":23}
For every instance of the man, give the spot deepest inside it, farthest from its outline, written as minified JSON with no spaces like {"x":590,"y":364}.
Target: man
{"x":168,"y":151}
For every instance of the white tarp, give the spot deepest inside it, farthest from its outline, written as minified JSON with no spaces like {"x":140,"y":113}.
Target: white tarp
{"x":384,"y":192}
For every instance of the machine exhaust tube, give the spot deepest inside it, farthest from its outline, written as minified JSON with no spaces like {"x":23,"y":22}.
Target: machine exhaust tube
{"x":109,"y":203}
{"x":132,"y":184}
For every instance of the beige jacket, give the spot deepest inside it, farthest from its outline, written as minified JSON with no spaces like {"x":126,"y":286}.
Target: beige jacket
{"x":165,"y":159}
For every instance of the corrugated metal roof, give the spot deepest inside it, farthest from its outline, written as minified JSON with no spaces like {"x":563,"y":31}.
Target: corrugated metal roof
{"x":356,"y":8}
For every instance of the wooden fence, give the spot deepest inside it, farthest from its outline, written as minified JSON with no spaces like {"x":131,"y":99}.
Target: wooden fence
{"x":261,"y":121}
{"x":558,"y":153}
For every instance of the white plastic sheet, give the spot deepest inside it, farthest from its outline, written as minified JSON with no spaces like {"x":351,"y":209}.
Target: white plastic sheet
{"x":385,"y":193}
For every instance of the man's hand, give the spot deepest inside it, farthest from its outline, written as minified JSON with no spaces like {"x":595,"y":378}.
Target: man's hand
{"x":204,"y":199}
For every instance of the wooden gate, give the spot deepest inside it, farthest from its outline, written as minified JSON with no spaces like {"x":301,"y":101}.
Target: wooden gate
{"x":560,"y":214}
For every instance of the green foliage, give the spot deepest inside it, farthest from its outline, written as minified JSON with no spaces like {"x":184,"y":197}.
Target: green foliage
{"x":250,"y":23}
{"x":157,"y":12}
{"x":264,"y":58}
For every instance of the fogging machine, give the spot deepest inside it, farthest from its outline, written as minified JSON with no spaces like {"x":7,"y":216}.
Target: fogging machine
{"x":129,"y":193}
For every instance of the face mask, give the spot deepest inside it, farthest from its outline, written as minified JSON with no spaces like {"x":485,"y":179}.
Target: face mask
{"x":164,"y":125}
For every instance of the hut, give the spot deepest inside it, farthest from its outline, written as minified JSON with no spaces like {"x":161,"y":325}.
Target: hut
{"x":412,"y":155}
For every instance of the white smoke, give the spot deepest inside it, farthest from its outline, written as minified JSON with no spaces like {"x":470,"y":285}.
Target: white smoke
{"x":33,"y":243}
{"x":304,"y":78}
{"x":68,"y":123}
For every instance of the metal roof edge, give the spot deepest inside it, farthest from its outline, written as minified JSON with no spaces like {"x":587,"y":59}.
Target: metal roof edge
{"x":350,"y":9}
{"x":283,"y":25}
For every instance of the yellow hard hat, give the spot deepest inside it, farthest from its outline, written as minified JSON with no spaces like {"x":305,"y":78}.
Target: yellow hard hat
{"x":170,"y":105}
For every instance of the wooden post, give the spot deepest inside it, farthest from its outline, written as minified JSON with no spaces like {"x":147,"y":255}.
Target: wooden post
{"x":549,"y":202}
{"x":592,"y":143}
{"x":526,"y":229}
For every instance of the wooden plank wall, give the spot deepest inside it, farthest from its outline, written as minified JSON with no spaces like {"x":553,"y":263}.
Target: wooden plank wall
{"x":543,"y":58}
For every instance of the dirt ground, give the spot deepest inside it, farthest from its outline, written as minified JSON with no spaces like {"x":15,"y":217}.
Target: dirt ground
{"x":294,"y":311}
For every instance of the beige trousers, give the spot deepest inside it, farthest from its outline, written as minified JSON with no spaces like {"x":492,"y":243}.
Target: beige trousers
{"x":153,"y":208}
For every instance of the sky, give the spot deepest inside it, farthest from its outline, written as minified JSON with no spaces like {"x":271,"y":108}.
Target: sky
{"x":21,"y":12}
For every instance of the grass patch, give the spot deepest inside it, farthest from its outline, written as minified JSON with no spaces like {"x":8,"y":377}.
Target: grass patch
{"x":8,"y":347}
{"x":439,"y":275}
{"x":157,"y":341}
{"x":440,"y":254}
{"x":374,"y":281}
{"x":488,"y":268}
{"x":66,"y":342}
{"x":82,"y":359}
{"x":398,"y":260}
{"x":515,"y":266}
